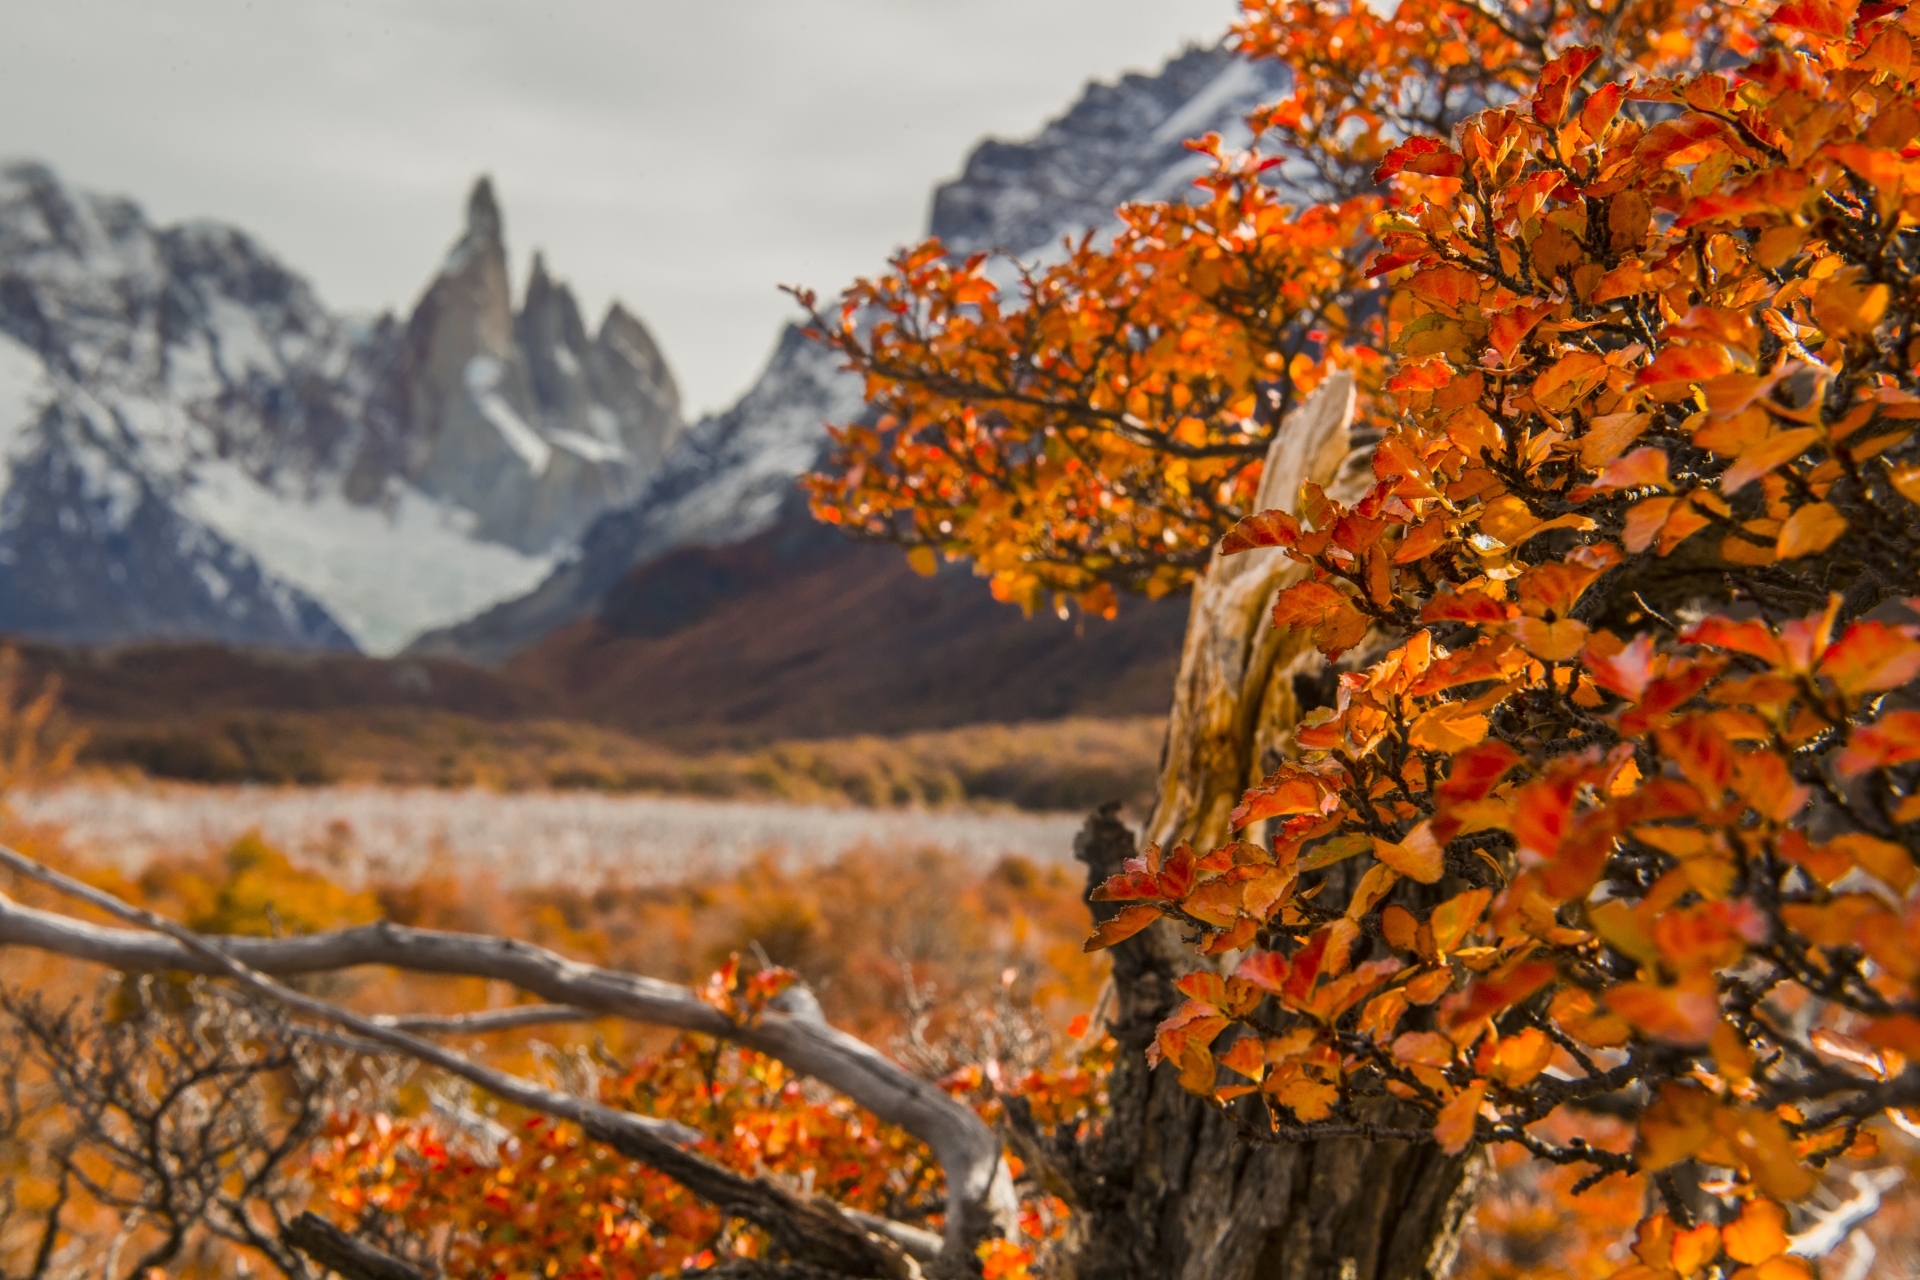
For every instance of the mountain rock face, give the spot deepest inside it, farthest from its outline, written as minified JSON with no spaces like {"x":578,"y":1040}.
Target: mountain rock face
{"x":732,"y":475}
{"x":729,"y":478}
{"x":192,"y":445}
{"x":523,"y":419}
{"x":1120,"y":142}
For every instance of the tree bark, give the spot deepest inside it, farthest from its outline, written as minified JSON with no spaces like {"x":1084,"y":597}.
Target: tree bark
{"x":1171,"y":1186}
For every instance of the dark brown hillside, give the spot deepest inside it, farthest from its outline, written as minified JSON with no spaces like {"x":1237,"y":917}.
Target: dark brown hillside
{"x":163,"y":681}
{"x":799,"y":633}
{"x":795,"y":634}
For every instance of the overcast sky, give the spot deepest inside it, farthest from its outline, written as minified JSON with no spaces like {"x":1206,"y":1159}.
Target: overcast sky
{"x":686,"y":156}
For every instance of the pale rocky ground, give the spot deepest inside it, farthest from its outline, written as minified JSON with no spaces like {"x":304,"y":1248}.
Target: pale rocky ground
{"x":523,"y":838}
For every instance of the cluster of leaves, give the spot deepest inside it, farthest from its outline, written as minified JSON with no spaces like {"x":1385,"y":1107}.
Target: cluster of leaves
{"x":1107,"y":428}
{"x":1576,"y":837}
{"x":1100,"y":421}
{"x":547,"y":1200}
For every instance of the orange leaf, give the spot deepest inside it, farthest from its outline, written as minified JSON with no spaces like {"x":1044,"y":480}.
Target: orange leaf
{"x":1267,"y":529}
{"x":1454,"y":1129}
{"x":1419,"y":154}
{"x":1683,"y":1014}
{"x":1758,"y":459}
{"x":1453,"y":919}
{"x":1759,"y":1233}
{"x":1418,"y":857}
{"x":1704,"y":756}
{"x":1828,"y":19}
{"x":1335,"y":624}
{"x":1426,"y":1048}
{"x":1645,"y":520}
{"x":1893,"y":739}
{"x":1674,"y":1126}
{"x":1522,"y":1057}
{"x":1307,"y":1098}
{"x":1448,"y":728}
{"x":1809,"y":530}
{"x":1121,"y":927}
{"x":1264,"y":969}
{"x":1247,"y":1057}
{"x":1671,"y":137}
{"x":1510,"y":328}
{"x":1557,"y":79}
{"x":1641,"y":469}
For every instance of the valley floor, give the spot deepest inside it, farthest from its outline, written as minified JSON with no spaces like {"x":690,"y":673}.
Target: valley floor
{"x":359,"y":833}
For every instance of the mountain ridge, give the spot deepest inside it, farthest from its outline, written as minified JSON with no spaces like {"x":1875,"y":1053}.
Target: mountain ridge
{"x":194,"y":446}
{"x":734,"y":472}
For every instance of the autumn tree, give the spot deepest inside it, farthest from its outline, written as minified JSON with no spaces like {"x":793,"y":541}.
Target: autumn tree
{"x":1548,"y":373}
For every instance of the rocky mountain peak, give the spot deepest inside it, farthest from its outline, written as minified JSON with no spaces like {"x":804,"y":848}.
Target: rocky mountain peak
{"x":518,"y":416}
{"x":731,"y":475}
{"x":486,"y":229}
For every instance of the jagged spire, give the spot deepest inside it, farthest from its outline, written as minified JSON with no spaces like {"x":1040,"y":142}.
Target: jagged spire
{"x":484,"y":236}
{"x":483,"y":211}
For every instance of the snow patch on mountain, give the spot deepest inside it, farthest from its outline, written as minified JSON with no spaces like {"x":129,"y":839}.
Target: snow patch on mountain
{"x":387,"y":571}
{"x":24,"y":391}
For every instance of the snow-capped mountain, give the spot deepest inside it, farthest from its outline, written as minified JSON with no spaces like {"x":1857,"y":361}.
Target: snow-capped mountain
{"x":191,"y":444}
{"x":732,"y":474}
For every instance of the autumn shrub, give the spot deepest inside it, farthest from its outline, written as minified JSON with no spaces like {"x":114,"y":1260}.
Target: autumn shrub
{"x":1614,"y":799}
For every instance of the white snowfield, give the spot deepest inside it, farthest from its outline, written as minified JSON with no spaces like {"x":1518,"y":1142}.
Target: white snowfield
{"x":386,"y":572}
{"x":363,"y":833}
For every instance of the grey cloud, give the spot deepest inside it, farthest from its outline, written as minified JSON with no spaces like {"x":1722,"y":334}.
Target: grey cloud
{"x":684,"y":155}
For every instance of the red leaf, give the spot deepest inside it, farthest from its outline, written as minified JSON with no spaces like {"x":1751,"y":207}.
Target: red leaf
{"x":1557,"y":79}
{"x":1669,"y":138}
{"x":1893,"y":739}
{"x":1872,"y":657}
{"x":1420,"y":155}
{"x":1706,"y":759}
{"x":1464,"y":606}
{"x":1267,"y":970}
{"x":1463,"y":1011}
{"x":1121,"y":927}
{"x":1626,"y":673}
{"x":1476,"y":771}
{"x":1267,"y":529}
{"x":1828,"y":19}
{"x":1750,"y":637}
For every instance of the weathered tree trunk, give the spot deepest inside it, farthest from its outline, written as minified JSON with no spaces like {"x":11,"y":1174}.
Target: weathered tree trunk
{"x":1170,"y":1187}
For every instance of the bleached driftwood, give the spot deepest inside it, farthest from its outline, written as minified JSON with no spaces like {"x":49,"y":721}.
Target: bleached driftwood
{"x":980,"y":1194}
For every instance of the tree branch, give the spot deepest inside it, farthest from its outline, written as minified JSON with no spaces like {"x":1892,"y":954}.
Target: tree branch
{"x":809,"y":1230}
{"x":526,"y":1015}
{"x":337,"y":1251}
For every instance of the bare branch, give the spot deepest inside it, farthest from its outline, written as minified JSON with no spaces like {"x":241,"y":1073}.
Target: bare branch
{"x":526,"y":1015}
{"x":810,"y":1230}
{"x":337,"y":1251}
{"x":980,"y":1197}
